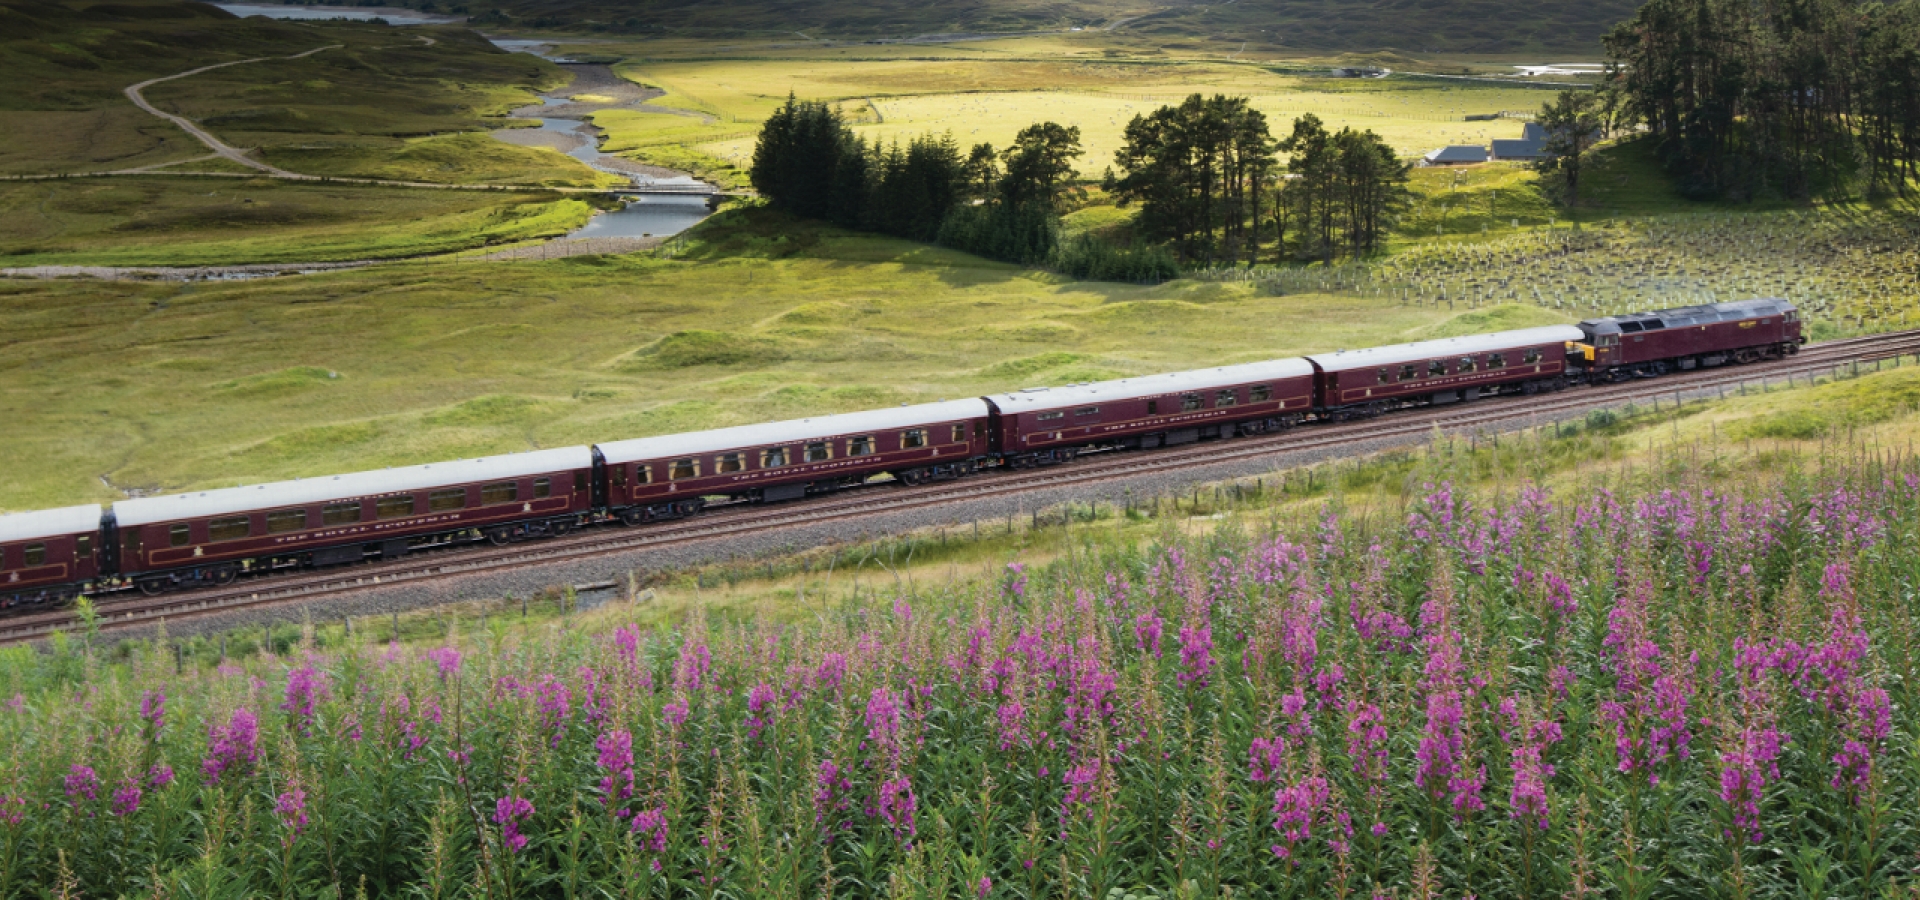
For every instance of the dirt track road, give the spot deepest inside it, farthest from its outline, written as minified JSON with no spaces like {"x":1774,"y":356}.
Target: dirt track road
{"x":219,"y":147}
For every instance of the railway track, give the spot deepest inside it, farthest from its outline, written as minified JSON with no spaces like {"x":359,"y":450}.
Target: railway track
{"x":1092,"y":470}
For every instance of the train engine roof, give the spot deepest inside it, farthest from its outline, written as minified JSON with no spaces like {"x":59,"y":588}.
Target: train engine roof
{"x":1682,"y":316}
{"x":1394,"y":354}
{"x":791,"y":431}
{"x":304,"y":491}
{"x":46,"y":523}
{"x":1150,"y":385}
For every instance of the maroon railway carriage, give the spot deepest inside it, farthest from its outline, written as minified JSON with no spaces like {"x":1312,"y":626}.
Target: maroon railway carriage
{"x":1655,"y":343}
{"x":215,"y":536}
{"x":1041,"y":426}
{"x":674,"y":475}
{"x":48,"y":556}
{"x":1371,"y":381}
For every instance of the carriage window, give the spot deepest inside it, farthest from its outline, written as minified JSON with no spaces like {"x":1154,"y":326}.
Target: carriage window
{"x":340,"y":513}
{"x":36,"y":555}
{"x":83,"y":547}
{"x":773,"y":458}
{"x":914,"y":439}
{"x":1496,"y":360}
{"x":1087,"y":411}
{"x":1226,"y":398}
{"x":959,"y":433}
{"x":819,"y":451}
{"x":393,"y":507}
{"x":1466,"y":364}
{"x":231,"y":529}
{"x":451,"y":498}
{"x":860,"y":446}
{"x":285,"y":520}
{"x":1409,"y":372}
{"x":1153,"y":407}
{"x":177,"y":536}
{"x":619,"y":476}
{"x":503,"y":492}
{"x":1437,"y":367}
{"x":682,"y":469}
{"x":1386,"y":376}
{"x":1189,"y":403}
{"x":1050,"y":416}
{"x":642,"y":474}
{"x":1261,"y":393}
{"x":542,"y":488}
{"x":131,"y":543}
{"x":1532,"y":356}
{"x":732,"y":462}
{"x":579,"y":482}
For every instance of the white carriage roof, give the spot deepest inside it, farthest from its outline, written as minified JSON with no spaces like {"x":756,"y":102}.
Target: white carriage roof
{"x":1394,"y":354}
{"x":305,"y":491}
{"x":48,"y":523}
{"x":769,"y":434}
{"x":1150,"y":385}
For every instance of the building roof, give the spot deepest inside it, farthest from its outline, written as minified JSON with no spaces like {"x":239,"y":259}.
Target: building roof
{"x":1521,"y":149}
{"x":1458,"y":153}
{"x":48,"y":523}
{"x":792,"y":431}
{"x":1533,"y":131}
{"x":1150,"y":385}
{"x":1394,"y":354}
{"x":307,"y":491}
{"x":1682,"y":316}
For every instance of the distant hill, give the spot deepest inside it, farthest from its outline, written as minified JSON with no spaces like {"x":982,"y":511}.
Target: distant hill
{"x":1415,"y":26}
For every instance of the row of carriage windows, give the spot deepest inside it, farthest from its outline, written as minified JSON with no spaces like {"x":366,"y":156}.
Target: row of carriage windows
{"x":397,"y":506}
{"x":776,"y":457}
{"x":35,"y":555}
{"x":1259,"y":393}
{"x":1435,"y":368}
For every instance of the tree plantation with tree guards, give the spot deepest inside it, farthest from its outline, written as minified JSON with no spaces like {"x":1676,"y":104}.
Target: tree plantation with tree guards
{"x":1516,"y":692}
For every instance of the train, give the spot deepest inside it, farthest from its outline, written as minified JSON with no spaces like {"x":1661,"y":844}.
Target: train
{"x":153,"y":545}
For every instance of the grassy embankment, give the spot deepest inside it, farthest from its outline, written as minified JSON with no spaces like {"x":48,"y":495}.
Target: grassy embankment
{"x":384,"y":104}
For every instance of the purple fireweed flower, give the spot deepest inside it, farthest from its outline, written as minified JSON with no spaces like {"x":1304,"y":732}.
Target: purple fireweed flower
{"x":305,"y":688}
{"x":159,"y":776}
{"x":82,"y":783}
{"x":896,"y":804}
{"x":1560,"y":596}
{"x":13,"y":810}
{"x":1196,"y":654}
{"x":1528,"y":743}
{"x":831,"y":790}
{"x":1265,"y":759}
{"x":233,"y":747}
{"x":554,"y":702}
{"x":616,"y":758}
{"x":675,"y":712}
{"x":1147,"y":627}
{"x":291,"y":808}
{"x":509,"y":813}
{"x":1745,"y":771}
{"x":153,"y":710}
{"x":1367,"y":739}
{"x":1015,"y":583}
{"x":650,"y":826}
{"x":690,"y":671}
{"x":883,"y":721}
{"x":832,"y":672}
{"x":1012,"y":715}
{"x":1081,"y":780}
{"x":446,"y":660}
{"x":1298,"y":807}
{"x":126,"y":799}
{"x":983,"y":888}
{"x":761,"y":702}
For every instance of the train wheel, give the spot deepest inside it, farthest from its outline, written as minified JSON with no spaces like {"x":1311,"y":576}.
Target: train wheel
{"x":224,"y":575}
{"x":632,"y":516}
{"x":152,"y":587}
{"x":499,"y":536}
{"x":560,"y":527}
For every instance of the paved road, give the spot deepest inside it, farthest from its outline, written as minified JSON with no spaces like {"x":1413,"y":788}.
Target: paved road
{"x":219,"y":148}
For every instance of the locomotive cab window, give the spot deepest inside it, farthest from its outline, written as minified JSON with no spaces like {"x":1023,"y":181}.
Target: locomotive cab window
{"x":913,"y":439}
{"x":1531,"y":356}
{"x":1226,"y":398}
{"x":36,"y":555}
{"x":773,"y":457}
{"x":1261,"y":393}
{"x":542,"y":488}
{"x":860,"y":446}
{"x":451,"y":498}
{"x":393,"y":507}
{"x":959,"y":434}
{"x":1629,"y":327}
{"x":340,"y":513}
{"x":503,"y":492}
{"x":1496,"y":360}
{"x":732,"y":462}
{"x":819,"y":451}
{"x":1436,"y":367}
{"x":284,"y":520}
{"x":682,"y":469}
{"x":229,"y":529}
{"x":1409,"y":372}
{"x":1189,"y":403}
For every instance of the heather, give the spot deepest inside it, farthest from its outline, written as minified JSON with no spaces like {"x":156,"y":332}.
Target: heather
{"x":1678,"y":689}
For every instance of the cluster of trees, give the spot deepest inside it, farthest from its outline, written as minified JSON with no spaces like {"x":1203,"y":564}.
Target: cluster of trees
{"x":1003,"y":203}
{"x":1206,"y":175}
{"x":1789,"y":99}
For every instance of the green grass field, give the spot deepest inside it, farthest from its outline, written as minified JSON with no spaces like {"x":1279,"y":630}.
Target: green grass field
{"x":180,"y":386}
